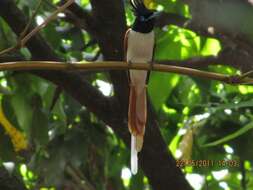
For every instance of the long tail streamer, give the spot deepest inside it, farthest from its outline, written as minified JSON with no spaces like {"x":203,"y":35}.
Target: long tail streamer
{"x":134,"y":155}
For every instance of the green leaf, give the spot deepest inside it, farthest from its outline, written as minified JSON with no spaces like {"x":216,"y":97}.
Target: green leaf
{"x":70,"y":148}
{"x":160,"y":87}
{"x":21,"y":100}
{"x":52,"y":35}
{"x":188,"y":92}
{"x":137,"y":181}
{"x":6,"y":147}
{"x":23,"y":111}
{"x":9,"y":111}
{"x":39,"y":130}
{"x":59,"y":111}
{"x":165,"y":43}
{"x":85,"y":2}
{"x":28,"y":3}
{"x":4,"y":90}
{"x":231,"y":136}
{"x":211,"y":47}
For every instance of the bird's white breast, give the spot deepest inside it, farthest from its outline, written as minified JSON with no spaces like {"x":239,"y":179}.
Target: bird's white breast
{"x":140,"y":48}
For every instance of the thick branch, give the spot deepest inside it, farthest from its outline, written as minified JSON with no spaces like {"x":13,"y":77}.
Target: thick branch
{"x":111,"y":26}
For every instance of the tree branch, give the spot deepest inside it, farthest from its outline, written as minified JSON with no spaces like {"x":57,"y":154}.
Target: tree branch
{"x":79,"y":179}
{"x":11,"y":57}
{"x":110,"y":20}
{"x":23,"y":38}
{"x":45,"y":22}
{"x":39,"y":49}
{"x":113,"y":65}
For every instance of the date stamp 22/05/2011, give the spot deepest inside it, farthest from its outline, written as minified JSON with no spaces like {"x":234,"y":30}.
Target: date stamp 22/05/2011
{"x":207,"y":163}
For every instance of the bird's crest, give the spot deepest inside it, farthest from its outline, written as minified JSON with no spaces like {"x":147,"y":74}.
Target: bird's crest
{"x":140,"y":9}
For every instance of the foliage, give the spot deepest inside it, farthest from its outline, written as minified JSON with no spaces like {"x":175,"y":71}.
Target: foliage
{"x":69,"y":138}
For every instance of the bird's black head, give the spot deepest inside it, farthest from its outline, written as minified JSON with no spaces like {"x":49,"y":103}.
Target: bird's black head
{"x":145,"y":18}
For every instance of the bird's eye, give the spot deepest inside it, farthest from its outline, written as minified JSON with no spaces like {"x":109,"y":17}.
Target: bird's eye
{"x":142,"y":18}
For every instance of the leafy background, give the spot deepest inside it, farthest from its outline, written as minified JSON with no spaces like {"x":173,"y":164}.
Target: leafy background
{"x":67,"y":144}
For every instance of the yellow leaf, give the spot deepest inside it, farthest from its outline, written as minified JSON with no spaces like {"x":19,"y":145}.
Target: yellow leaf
{"x":18,"y":139}
{"x":185,"y":145}
{"x":149,"y":3}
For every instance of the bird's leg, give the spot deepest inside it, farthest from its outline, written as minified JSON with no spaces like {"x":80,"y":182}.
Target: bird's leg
{"x":130,"y":63}
{"x":70,"y":65}
{"x":151,"y":67}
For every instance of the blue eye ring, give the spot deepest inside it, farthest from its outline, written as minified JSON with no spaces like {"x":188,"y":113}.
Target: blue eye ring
{"x":142,"y":18}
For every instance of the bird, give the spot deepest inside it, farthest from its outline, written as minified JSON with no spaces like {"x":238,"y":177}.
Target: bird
{"x":139,"y":43}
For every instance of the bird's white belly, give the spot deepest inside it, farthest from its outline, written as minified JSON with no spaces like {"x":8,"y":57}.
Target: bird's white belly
{"x":139,"y":50}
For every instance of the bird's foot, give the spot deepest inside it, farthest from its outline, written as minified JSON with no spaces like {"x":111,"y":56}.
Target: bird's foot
{"x":70,"y":65}
{"x":129,"y":63}
{"x":151,"y":65}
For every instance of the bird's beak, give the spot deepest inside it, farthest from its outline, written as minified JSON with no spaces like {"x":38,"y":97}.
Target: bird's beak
{"x":154,"y":15}
{"x":157,"y":13}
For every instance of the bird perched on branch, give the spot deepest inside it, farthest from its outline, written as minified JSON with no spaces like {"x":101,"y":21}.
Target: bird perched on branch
{"x":139,"y":46}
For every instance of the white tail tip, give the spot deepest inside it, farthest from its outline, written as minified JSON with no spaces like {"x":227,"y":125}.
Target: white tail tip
{"x":134,"y":156}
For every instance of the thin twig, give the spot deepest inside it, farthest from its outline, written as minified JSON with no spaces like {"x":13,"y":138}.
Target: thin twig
{"x":7,"y":50}
{"x":23,"y":38}
{"x":119,"y":65}
{"x":49,"y":19}
{"x":23,"y":33}
{"x":80,"y":180}
{"x":30,"y":20}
